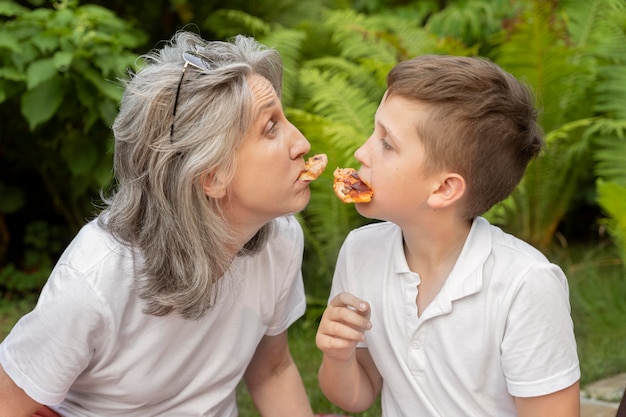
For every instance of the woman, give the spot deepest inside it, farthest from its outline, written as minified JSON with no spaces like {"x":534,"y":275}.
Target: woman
{"x":190,"y":277}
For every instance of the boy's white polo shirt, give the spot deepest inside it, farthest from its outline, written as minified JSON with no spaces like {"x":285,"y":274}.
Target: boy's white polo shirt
{"x":500,"y":326}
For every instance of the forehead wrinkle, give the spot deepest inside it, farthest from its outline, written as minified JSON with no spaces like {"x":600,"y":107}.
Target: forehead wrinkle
{"x":264,"y":95}
{"x":265,"y":106}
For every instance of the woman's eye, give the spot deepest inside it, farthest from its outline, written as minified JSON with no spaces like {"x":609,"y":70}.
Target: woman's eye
{"x":386,"y":145}
{"x":271,"y":128}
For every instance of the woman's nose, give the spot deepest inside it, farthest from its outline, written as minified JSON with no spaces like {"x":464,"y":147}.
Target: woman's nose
{"x":301,"y":145}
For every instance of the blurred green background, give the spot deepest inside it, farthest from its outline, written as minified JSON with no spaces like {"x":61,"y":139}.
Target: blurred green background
{"x":59,"y":93}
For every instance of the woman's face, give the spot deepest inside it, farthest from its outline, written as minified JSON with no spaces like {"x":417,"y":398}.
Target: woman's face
{"x":269,"y":161}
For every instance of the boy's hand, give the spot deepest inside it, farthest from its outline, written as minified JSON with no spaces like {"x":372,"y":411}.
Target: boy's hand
{"x":343,"y":325}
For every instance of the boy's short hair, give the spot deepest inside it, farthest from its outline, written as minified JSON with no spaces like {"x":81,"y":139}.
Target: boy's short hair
{"x":482,"y":124}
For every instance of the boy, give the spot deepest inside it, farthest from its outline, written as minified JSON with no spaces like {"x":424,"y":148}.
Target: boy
{"x":436,"y":310}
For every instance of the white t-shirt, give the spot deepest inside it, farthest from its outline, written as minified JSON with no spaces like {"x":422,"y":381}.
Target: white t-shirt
{"x":88,"y":347}
{"x":500,"y":326}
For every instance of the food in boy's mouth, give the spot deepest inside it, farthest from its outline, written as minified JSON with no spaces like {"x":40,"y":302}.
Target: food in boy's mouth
{"x":350,"y":188}
{"x":314,"y":167}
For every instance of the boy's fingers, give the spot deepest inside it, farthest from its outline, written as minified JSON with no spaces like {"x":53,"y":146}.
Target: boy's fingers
{"x":351,"y":301}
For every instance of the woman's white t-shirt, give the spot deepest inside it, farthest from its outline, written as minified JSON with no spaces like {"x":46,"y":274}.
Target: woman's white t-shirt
{"x":88,"y":349}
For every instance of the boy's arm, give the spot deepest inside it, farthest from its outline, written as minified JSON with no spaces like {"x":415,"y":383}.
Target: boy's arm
{"x":352,"y":385}
{"x":347,"y":376}
{"x":564,"y":403}
{"x":274,"y":382}
{"x":13,"y":400}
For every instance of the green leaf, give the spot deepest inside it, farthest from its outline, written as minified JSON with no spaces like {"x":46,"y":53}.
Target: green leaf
{"x":81,"y":156}
{"x":611,"y":199}
{"x":46,"y":42}
{"x":103,"y":171}
{"x":110,"y":89}
{"x":9,"y":8}
{"x":62,"y":60}
{"x":12,"y":199}
{"x":108,"y":111}
{"x":41,"y":103}
{"x":8,"y":41}
{"x":40,"y":71}
{"x":12,"y":74}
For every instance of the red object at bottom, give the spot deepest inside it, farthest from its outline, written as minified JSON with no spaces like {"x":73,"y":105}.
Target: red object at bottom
{"x":45,"y":412}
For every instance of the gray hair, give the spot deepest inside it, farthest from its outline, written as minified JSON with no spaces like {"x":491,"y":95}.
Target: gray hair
{"x":159,"y":205}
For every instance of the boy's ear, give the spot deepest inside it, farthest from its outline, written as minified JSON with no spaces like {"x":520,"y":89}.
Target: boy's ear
{"x":449,"y":190}
{"x":213,"y":186}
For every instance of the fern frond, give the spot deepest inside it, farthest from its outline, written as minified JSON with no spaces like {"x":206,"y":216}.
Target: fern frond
{"x":336,"y":99}
{"x":610,"y":153}
{"x":289,"y":43}
{"x":358,"y":37}
{"x":611,"y":90}
{"x":537,"y":206}
{"x":473,"y":22}
{"x":611,"y":197}
{"x":560,"y":76}
{"x":226,"y":23}
{"x":597,"y":25}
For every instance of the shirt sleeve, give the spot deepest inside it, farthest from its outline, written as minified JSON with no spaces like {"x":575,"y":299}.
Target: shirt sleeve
{"x":539,"y":354}
{"x":50,"y":346}
{"x":291,"y":300}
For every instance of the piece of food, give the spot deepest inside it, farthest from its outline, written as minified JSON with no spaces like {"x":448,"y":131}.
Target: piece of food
{"x":350,"y":188}
{"x":314,"y":167}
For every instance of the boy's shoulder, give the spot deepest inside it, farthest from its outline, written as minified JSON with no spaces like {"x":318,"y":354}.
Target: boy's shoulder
{"x":376,"y":227}
{"x":374,"y":232}
{"x":503,"y":241}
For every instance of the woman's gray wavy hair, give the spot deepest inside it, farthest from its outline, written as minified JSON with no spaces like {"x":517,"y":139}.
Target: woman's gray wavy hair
{"x":159,"y":205}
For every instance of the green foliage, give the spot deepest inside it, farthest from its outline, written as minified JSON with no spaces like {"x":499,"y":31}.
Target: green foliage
{"x":612,"y":198}
{"x":27,"y":276}
{"x":474,"y":21}
{"x":562,"y":53}
{"x":597,"y":288}
{"x":610,"y":158}
{"x":610,"y":154}
{"x":58,"y":97}
{"x":48,"y":50}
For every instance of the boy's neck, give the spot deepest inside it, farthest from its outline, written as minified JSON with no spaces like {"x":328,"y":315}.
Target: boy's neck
{"x":432,"y":252}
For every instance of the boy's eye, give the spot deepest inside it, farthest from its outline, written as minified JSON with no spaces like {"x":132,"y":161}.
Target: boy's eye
{"x":386,"y":145}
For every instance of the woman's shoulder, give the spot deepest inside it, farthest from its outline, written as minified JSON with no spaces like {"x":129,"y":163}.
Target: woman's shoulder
{"x":92,"y":246}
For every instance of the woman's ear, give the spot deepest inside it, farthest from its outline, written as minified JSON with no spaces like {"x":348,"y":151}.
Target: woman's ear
{"x":449,"y":189}
{"x":213,"y":186}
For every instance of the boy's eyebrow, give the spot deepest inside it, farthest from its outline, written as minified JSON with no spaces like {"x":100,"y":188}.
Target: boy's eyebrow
{"x":387,"y":129}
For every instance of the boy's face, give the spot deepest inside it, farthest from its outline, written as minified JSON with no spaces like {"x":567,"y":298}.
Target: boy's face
{"x":392,"y":161}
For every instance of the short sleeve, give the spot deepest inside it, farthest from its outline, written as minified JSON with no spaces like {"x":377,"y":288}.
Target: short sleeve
{"x":50,"y":346}
{"x":539,"y":354}
{"x":290,"y":304}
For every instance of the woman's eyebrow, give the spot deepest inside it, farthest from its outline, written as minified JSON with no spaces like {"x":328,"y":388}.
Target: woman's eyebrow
{"x":265,"y":106}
